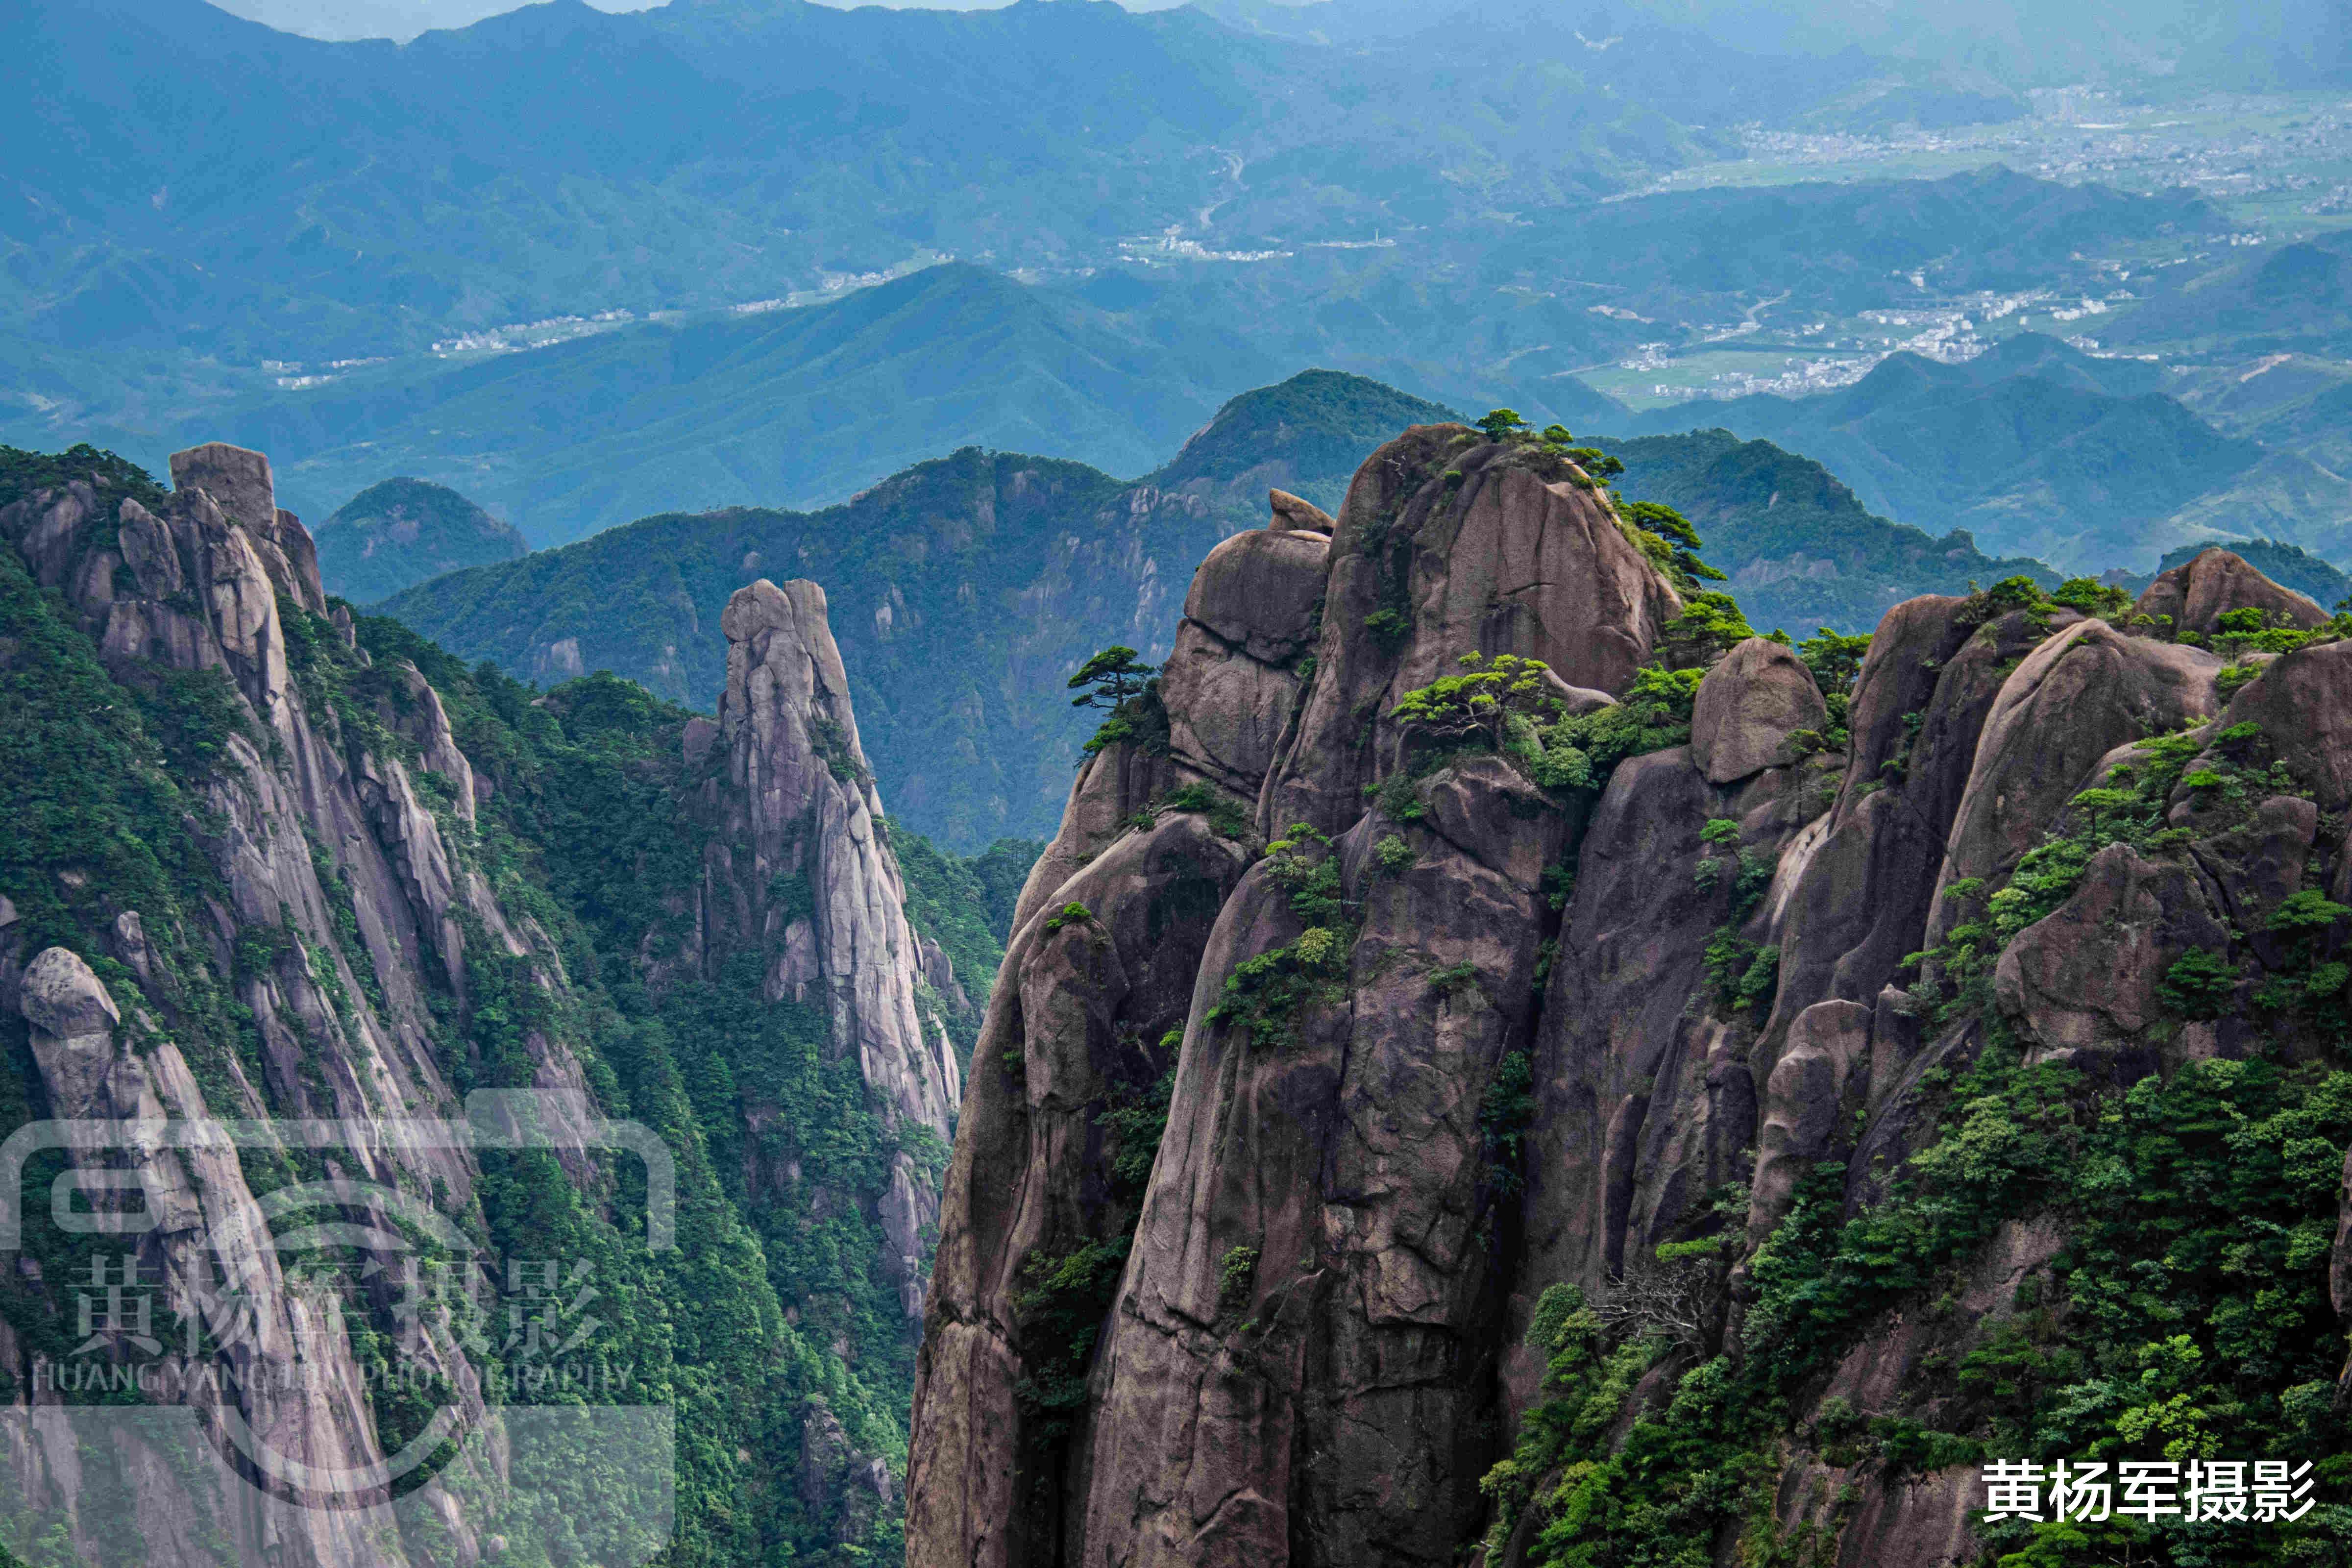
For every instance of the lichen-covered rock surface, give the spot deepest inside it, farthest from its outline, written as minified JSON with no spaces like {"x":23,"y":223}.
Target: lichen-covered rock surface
{"x":1693,"y":1110}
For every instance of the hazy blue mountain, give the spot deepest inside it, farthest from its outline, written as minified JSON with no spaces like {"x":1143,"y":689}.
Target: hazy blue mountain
{"x":799,"y":408}
{"x":2295,"y":299}
{"x":363,"y":198}
{"x":788,"y":408}
{"x":1932,"y":108}
{"x":2256,"y":44}
{"x":2297,"y":402}
{"x":2036,"y":448}
{"x":1802,"y":550}
{"x":399,"y":20}
{"x":200,"y":205}
{"x":405,"y":531}
{"x":1847,"y":247}
{"x":1193,"y":208}
{"x":963,"y":592}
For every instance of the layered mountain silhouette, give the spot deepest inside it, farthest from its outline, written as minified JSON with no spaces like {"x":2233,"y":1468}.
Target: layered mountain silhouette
{"x":2295,"y":299}
{"x":966,"y":589}
{"x":1210,"y":195}
{"x":2037,"y":449}
{"x":353,"y":199}
{"x":791,"y":407}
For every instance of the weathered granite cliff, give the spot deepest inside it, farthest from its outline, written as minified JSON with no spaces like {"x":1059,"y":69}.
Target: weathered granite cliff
{"x":256,"y":874}
{"x":820,"y":896}
{"x":1687,"y":1104}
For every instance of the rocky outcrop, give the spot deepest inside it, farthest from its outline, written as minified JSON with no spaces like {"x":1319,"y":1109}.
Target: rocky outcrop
{"x":1858,"y":906}
{"x":335,"y":947}
{"x":2194,"y":596}
{"x":1821,"y":1080}
{"x":1749,"y":706}
{"x":1292,"y":511}
{"x":1232,"y":683}
{"x":1349,"y":1164}
{"x":1078,"y":1038}
{"x":328,"y":866}
{"x":300,"y":1399}
{"x":2077,"y":697}
{"x":238,"y":482}
{"x":1078,"y":1044}
{"x":1648,"y":1092}
{"x":2302,"y":706}
{"x":1453,"y":1038}
{"x":803,"y":875}
{"x":2089,"y":975}
{"x":1315,"y":1265}
{"x":1450,"y":544}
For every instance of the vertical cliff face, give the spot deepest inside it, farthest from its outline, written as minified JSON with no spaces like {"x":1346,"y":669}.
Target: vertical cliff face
{"x":322,"y":862}
{"x":1325,"y":1174}
{"x":819,"y":896}
{"x":1072,"y":1079}
{"x":1535,"y":1055}
{"x":254,"y":875}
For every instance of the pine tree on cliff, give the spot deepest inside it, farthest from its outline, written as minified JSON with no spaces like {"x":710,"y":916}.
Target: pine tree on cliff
{"x":1109,"y":679}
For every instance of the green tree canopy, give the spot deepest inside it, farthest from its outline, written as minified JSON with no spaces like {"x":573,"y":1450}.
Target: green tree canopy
{"x":1109,"y":679}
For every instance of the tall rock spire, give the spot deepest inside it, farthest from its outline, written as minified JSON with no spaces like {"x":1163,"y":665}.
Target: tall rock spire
{"x":806,"y":876}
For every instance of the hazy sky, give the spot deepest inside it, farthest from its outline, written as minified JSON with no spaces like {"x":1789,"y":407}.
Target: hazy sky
{"x":406,"y":19}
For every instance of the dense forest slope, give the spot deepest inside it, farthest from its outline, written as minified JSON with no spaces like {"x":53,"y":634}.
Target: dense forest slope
{"x":267,"y":861}
{"x":1688,"y":1104}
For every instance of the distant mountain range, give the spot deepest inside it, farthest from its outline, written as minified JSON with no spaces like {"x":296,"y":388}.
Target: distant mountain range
{"x":187,"y":179}
{"x":585,"y":267}
{"x":805,"y":406}
{"x":1842,"y":248}
{"x":2293,"y":299}
{"x":2006,"y":43}
{"x":2037,"y":449}
{"x":1195,"y":207}
{"x":1801,"y":550}
{"x":789,"y":407}
{"x":2296,"y":402}
{"x":964,"y":590}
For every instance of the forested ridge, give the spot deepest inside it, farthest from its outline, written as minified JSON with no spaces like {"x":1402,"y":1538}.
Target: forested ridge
{"x":138,"y":794}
